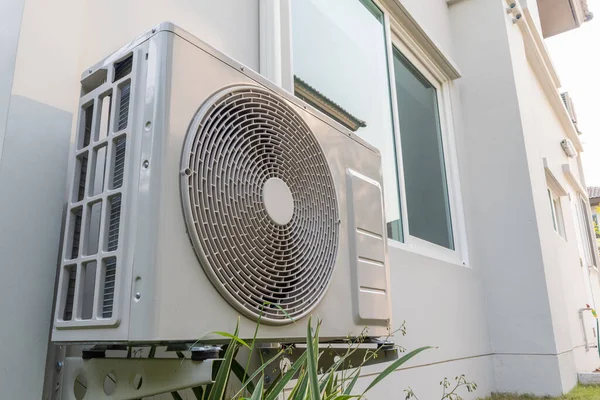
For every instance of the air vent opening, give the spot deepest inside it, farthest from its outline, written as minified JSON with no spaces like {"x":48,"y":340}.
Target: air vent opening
{"x":92,"y":237}
{"x":70,"y":279}
{"x":81,"y":165}
{"x":109,"y":273}
{"x":105,"y":105}
{"x":113,"y":223}
{"x":74,"y":237}
{"x":93,"y":80}
{"x":260,"y":204}
{"x":123,"y":67}
{"x":118,"y":162}
{"x":85,"y":131}
{"x":98,"y":171}
{"x":88,"y":276}
{"x":124,"y":95}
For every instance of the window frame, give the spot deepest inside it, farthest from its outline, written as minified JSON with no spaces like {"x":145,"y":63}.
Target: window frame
{"x":584,"y":219}
{"x":400,"y":31}
{"x":398,"y":38}
{"x":558,"y":220}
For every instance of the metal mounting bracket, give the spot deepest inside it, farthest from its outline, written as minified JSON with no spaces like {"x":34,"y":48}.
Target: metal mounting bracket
{"x":130,"y":378}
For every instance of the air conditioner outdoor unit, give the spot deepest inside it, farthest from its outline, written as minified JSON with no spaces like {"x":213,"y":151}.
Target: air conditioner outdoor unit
{"x":568,"y":102}
{"x":200,"y":192}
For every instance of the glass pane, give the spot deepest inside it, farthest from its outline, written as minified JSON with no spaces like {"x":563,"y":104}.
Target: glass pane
{"x":552,"y":210}
{"x":586,"y":228}
{"x":426,"y":189}
{"x":339,"y":49}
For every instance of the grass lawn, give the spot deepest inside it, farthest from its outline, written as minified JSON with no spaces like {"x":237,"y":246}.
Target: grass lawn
{"x":579,"y":393}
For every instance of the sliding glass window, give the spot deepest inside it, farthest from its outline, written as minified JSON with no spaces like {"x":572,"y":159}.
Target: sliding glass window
{"x":339,"y":51}
{"x":425,"y":186}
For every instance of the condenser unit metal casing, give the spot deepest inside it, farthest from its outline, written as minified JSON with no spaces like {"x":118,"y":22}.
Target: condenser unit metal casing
{"x":200,"y":192}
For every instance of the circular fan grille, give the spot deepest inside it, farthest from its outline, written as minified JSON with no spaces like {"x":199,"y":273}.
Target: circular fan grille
{"x":260,"y":204}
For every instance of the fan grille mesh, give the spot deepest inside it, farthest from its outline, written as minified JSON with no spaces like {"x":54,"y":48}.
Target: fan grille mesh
{"x":242,"y":137}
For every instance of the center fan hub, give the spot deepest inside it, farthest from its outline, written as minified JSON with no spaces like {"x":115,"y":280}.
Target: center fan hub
{"x":278,"y":201}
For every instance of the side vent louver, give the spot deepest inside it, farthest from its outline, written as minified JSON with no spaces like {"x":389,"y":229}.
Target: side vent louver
{"x":87,"y":129}
{"x":110,"y":269}
{"x":123,"y":67}
{"x":124,"y":107}
{"x":92,"y":249}
{"x":82,"y":161}
{"x":114,"y":222}
{"x":71,"y":273}
{"x":76,"y":234}
{"x":119,"y":164}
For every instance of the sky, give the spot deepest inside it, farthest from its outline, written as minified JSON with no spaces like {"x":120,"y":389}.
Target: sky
{"x":576,"y":58}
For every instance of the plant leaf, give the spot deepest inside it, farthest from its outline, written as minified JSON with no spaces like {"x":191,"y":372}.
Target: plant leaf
{"x":311,"y":361}
{"x":218,"y":388}
{"x":241,"y":374}
{"x":335,"y":382}
{"x":252,"y":346}
{"x":275,"y":390}
{"x":257,"y":372}
{"x":280,"y":309}
{"x":257,"y":393}
{"x":352,"y":382}
{"x":301,"y":387}
{"x":298,"y":384}
{"x":393,"y":366}
{"x":327,"y":384}
{"x":232,"y":337}
{"x":336,"y":365}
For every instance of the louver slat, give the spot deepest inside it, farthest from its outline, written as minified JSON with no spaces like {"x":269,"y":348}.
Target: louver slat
{"x":82,"y":176}
{"x":70,"y":299}
{"x":114,"y":223}
{"x":109,"y":287}
{"x":119,"y":166}
{"x":124,"y":107}
{"x":123,"y":68}
{"x":76,"y":234}
{"x":87,"y":134}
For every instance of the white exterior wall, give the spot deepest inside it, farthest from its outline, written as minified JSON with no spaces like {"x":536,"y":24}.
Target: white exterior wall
{"x":500,"y":212}
{"x":434,"y":18}
{"x":511,"y":311}
{"x":568,"y":281}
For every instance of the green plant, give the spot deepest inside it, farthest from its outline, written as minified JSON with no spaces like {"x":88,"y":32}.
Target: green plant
{"x":446,"y":385}
{"x":336,"y":383}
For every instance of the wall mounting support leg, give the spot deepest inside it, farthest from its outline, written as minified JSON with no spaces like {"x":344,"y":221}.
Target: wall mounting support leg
{"x":130,"y":378}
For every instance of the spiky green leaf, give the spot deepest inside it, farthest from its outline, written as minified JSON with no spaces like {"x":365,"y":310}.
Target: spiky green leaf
{"x":313,"y":379}
{"x":395,"y":365}
{"x":220,"y":383}
{"x":350,"y":386}
{"x":275,"y":390}
{"x":299,"y":383}
{"x":232,"y":337}
{"x":241,"y":374}
{"x":258,"y":372}
{"x":257,"y":393}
